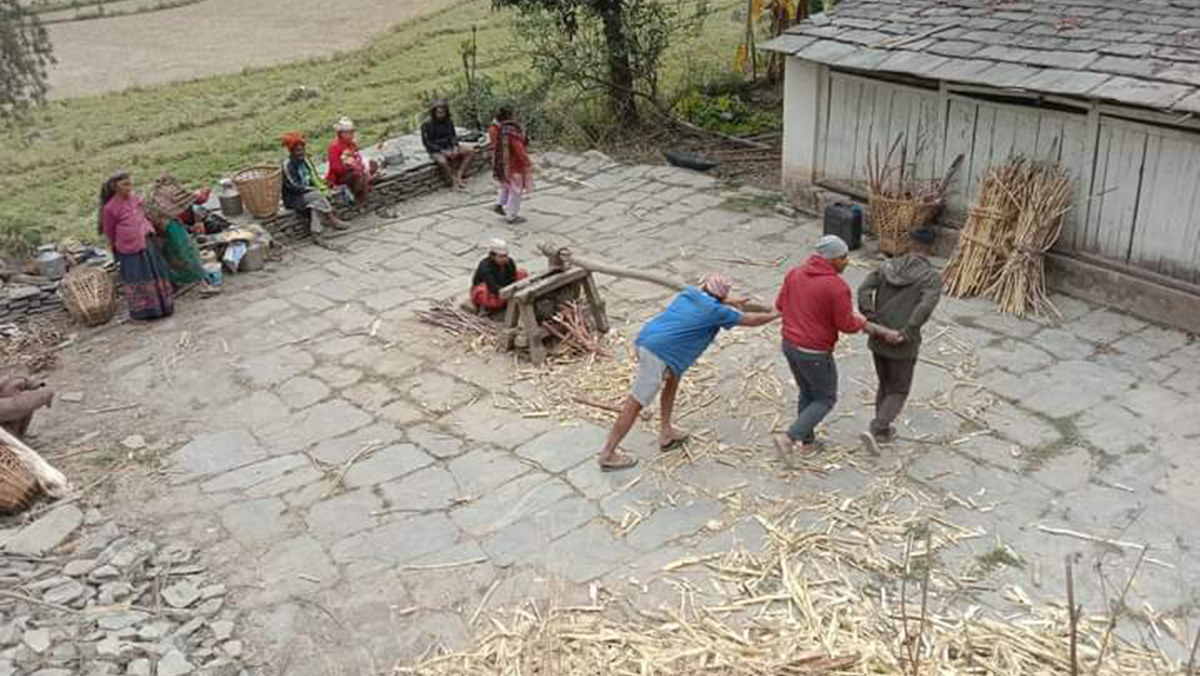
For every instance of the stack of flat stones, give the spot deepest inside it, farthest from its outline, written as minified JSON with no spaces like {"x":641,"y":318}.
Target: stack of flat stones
{"x":80,"y":595}
{"x":22,"y":301}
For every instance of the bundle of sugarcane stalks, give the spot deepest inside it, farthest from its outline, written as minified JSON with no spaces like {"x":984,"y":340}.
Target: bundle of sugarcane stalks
{"x":1045,"y":199}
{"x":1017,"y":217}
{"x":444,"y":315}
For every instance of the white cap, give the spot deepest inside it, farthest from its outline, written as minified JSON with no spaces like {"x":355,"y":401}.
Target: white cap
{"x":497,"y":245}
{"x":344,"y":124}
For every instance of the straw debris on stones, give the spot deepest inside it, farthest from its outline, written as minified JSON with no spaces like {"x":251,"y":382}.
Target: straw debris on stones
{"x":832,"y":591}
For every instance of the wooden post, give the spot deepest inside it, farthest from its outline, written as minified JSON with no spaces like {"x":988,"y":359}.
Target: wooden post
{"x":599,"y":315}
{"x":537,"y":351}
{"x":1072,"y":616}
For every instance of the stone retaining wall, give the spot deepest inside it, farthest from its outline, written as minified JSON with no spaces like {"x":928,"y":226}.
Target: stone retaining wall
{"x":22,"y":303}
{"x":393,"y":188}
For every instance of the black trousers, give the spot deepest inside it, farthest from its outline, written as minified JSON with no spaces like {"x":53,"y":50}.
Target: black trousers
{"x":895,"y":381}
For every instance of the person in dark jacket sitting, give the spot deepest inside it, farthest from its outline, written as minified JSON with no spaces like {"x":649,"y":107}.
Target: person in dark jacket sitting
{"x":441,"y":142}
{"x":901,"y":295}
{"x":494,"y":273}
{"x":303,"y":190}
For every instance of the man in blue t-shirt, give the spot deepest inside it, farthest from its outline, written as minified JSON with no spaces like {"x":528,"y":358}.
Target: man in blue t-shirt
{"x":667,"y":346}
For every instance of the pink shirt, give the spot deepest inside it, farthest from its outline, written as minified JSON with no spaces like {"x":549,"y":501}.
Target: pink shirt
{"x":125,"y":225}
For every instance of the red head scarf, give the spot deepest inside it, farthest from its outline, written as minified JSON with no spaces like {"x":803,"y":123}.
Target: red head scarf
{"x":293,"y":139}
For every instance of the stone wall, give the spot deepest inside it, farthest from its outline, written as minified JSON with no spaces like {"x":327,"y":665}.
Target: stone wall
{"x":407,"y":183}
{"x":20,"y":302}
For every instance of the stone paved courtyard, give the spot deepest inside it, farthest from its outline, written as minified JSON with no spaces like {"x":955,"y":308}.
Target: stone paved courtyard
{"x":263,"y":395}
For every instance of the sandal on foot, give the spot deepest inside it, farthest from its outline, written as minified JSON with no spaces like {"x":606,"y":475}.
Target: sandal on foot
{"x":674,"y":443}
{"x":785,"y":448}
{"x":624,"y":461}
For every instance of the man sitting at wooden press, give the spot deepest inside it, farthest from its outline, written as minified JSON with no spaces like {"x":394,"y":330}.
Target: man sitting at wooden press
{"x":667,"y":346}
{"x":494,"y":272}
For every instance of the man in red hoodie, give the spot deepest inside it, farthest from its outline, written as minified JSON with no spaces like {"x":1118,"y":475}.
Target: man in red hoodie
{"x":817,"y":307}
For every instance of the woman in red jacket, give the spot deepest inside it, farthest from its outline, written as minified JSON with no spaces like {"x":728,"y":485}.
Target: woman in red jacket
{"x":346,"y":164}
{"x":511,"y":166}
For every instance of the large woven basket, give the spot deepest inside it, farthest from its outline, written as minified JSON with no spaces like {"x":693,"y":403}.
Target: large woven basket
{"x":261,"y":189}
{"x":168,"y":197}
{"x":18,"y":487}
{"x":893,"y":219}
{"x":89,"y":294}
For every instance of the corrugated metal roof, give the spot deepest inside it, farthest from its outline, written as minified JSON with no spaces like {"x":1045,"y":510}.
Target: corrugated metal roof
{"x":1138,"y":52}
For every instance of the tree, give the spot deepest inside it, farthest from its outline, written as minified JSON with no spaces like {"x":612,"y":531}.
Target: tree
{"x":611,"y":45}
{"x":25,"y":55}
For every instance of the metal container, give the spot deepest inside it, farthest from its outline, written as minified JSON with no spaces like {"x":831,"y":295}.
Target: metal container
{"x":50,"y":263}
{"x":845,"y":221}
{"x":255,"y":258}
{"x":212,"y":273}
{"x":230,"y":199}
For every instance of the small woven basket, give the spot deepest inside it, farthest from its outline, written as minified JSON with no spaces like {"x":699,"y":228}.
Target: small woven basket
{"x":89,"y":294}
{"x":893,"y":218}
{"x":261,"y":189}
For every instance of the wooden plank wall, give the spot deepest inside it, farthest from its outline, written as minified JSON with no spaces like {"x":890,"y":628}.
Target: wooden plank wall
{"x":1137,"y":185}
{"x":1146,"y":209}
{"x":866,"y":116}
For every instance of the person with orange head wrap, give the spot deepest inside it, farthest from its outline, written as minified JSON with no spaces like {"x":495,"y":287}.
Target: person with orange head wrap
{"x":303,"y":190}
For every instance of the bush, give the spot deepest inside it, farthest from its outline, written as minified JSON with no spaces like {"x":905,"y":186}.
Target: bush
{"x":725,"y":112}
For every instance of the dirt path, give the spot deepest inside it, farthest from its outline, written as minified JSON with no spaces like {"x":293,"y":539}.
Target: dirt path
{"x":215,"y":36}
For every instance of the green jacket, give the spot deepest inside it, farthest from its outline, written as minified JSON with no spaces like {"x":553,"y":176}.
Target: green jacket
{"x":901,"y":294}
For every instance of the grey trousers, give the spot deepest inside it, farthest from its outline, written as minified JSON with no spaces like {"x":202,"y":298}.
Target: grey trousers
{"x":816,"y":376}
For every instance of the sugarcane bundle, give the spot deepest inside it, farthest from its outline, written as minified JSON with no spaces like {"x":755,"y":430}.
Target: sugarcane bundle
{"x":988,"y":234}
{"x":1044,"y":198}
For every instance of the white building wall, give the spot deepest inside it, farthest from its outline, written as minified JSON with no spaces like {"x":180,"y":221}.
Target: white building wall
{"x":1138,"y":184}
{"x":801,"y":110}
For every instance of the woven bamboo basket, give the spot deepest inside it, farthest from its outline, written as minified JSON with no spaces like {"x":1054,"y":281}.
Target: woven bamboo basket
{"x":168,"y":196}
{"x":892,"y":218}
{"x":18,"y":487}
{"x":89,"y":294}
{"x":261,"y":189}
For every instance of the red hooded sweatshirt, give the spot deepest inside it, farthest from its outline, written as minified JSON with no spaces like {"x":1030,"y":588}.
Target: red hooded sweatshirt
{"x":816,"y":306}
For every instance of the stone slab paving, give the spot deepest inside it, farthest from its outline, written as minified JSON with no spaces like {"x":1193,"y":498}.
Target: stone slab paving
{"x":1093,"y":427}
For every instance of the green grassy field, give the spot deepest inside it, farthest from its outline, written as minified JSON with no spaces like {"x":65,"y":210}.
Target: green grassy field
{"x":202,"y":130}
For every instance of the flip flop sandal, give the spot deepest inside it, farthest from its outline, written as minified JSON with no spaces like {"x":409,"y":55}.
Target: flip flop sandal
{"x":625,"y":462}
{"x":674,"y":443}
{"x":869,"y":444}
{"x":785,"y":449}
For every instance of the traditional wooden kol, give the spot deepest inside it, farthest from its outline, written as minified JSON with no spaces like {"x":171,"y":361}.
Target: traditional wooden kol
{"x":559,"y":282}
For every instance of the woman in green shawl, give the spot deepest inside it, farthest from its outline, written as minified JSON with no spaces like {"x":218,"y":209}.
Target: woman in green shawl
{"x":184,"y":266}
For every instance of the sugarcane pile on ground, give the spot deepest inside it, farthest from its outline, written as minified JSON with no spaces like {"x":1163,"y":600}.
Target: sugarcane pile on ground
{"x":842,"y":585}
{"x":572,"y":326}
{"x":1018,"y":216}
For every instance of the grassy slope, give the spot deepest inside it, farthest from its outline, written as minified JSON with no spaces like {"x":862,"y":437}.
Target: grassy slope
{"x":204,"y":129}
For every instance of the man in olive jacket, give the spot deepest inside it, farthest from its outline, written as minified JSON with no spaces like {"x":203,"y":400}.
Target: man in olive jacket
{"x":901,"y":294}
